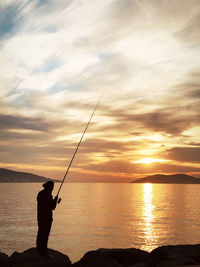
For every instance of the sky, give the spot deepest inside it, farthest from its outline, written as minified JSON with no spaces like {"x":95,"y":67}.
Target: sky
{"x":59,"y":57}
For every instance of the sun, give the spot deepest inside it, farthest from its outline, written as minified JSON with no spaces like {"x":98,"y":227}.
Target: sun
{"x":149,"y":160}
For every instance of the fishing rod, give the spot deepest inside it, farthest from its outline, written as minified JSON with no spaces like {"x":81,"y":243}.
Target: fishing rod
{"x":77,"y":148}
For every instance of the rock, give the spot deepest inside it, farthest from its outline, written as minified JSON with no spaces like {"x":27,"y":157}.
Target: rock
{"x":31,"y":258}
{"x":4,"y":260}
{"x":129,"y":256}
{"x":177,"y":255}
{"x":116,"y":257}
{"x":96,"y":259}
{"x":178,"y":261}
{"x":165,"y":256}
{"x":141,"y":264}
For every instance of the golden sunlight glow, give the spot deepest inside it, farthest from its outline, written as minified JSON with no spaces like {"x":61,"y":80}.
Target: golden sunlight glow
{"x":149,"y":160}
{"x":193,"y":133}
{"x":148,"y":214}
{"x":147,"y":190}
{"x":153,"y":137}
{"x":72,"y":137}
{"x":24,"y":131}
{"x":148,"y":151}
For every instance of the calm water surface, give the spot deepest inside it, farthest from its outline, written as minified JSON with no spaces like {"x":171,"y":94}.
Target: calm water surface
{"x":97,"y":215}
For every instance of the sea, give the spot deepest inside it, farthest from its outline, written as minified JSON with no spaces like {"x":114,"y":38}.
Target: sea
{"x":102,"y":215}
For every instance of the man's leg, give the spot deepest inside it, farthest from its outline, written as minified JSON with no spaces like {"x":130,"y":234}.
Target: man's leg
{"x":46,"y":234}
{"x":44,"y":229}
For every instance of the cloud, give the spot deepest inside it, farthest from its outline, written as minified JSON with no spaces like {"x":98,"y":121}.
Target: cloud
{"x":194,"y":144}
{"x":190,"y":32}
{"x":8,"y":19}
{"x":185,"y":154}
{"x":59,"y":56}
{"x":191,"y":87}
{"x":195,"y":93}
{"x":169,"y":121}
{"x":14,"y":122}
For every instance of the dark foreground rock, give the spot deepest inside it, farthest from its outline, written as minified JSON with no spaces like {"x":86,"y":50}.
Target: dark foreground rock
{"x":95,"y":258}
{"x":116,"y":258}
{"x":4,"y":260}
{"x":177,"y":255}
{"x":165,"y":256}
{"x":31,"y":258}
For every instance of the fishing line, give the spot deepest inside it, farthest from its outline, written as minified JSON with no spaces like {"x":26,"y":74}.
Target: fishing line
{"x":78,"y":147}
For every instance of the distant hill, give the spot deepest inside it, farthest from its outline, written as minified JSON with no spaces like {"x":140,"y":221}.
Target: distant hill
{"x":9,"y":176}
{"x":169,"y":179}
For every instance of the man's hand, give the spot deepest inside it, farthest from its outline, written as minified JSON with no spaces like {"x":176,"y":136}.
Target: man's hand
{"x":57,"y":200}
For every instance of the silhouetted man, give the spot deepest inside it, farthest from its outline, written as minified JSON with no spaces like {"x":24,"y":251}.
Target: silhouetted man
{"x":45,"y":205}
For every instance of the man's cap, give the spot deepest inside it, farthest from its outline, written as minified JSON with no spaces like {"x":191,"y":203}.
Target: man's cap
{"x":48,"y":184}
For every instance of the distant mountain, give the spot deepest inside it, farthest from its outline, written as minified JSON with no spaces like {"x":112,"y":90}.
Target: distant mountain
{"x":169,"y":179}
{"x":9,"y":176}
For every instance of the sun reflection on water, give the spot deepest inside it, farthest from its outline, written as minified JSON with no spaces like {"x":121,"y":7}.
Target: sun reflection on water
{"x":148,"y":217}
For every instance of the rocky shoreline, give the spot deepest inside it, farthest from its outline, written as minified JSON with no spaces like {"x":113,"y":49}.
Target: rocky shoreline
{"x":164,"y":256}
